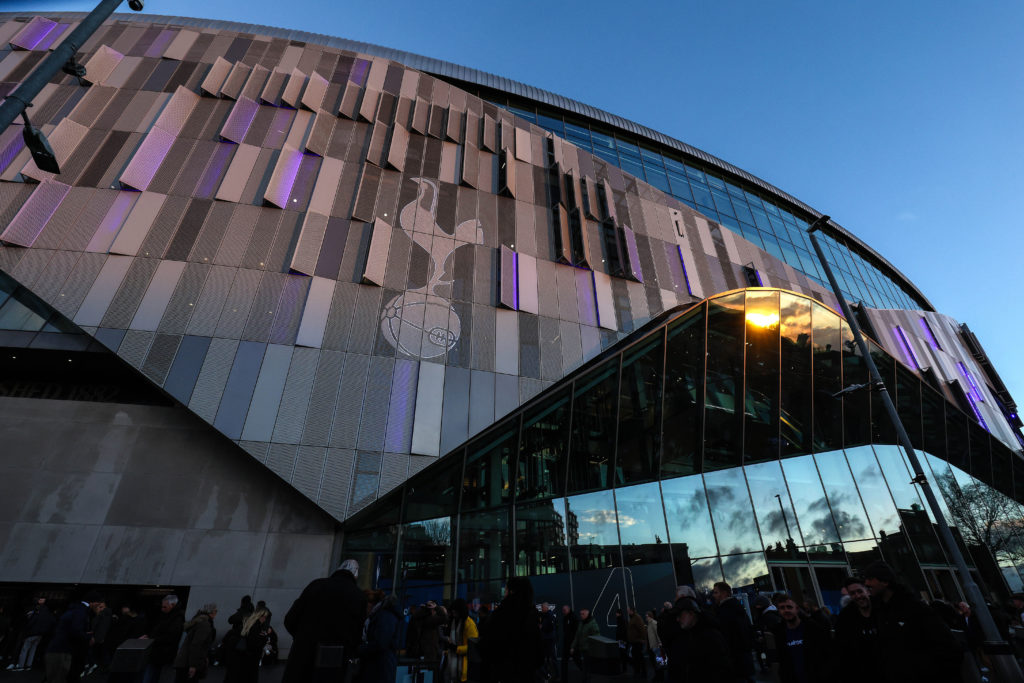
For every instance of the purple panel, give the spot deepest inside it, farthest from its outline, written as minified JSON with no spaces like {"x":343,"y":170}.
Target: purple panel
{"x":305,"y":179}
{"x":634,"y":255}
{"x":30,"y":36}
{"x":147,"y":159}
{"x":47,"y":42}
{"x":11,"y":144}
{"x":682,"y":263}
{"x":280,"y":187}
{"x":239,"y":120}
{"x":33,"y":216}
{"x":215,"y":170}
{"x":908,"y":350}
{"x":279,"y":128}
{"x":161,"y":43}
{"x":928,"y":334}
{"x":970,"y":380}
{"x":398,"y":435}
{"x":112,"y":221}
{"x":359,"y":70}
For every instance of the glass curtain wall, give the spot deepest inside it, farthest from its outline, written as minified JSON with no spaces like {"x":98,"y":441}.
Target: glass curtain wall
{"x":715,"y":446}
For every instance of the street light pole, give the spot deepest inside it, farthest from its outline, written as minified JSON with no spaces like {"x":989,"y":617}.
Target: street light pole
{"x":15,"y":104}
{"x":1001,"y":655}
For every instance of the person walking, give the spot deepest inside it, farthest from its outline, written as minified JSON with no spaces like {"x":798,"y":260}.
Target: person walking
{"x":736,"y":628}
{"x":378,"y":655}
{"x":636,"y":634}
{"x":461,"y":631}
{"x":548,"y":624}
{"x":165,"y":634}
{"x":569,"y":624}
{"x":511,"y":641}
{"x":329,"y":612}
{"x":654,"y":652}
{"x":802,"y":647}
{"x":696,"y":650}
{"x":913,"y":643}
{"x":243,"y":649}
{"x":857,"y":636}
{"x":191,"y":662}
{"x":40,"y":624}
{"x":581,"y":645}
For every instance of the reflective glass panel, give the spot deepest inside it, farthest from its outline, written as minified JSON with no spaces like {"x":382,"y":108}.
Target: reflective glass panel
{"x":915,"y":519}
{"x":933,"y":416}
{"x":375,"y":550}
{"x":908,"y":404}
{"x":639,"y":437}
{"x":885,"y":520}
{"x":827,"y":359}
{"x":488,"y":466}
{"x":731,"y":511}
{"x":425,"y":553}
{"x":686,"y":509}
{"x":434,"y":494}
{"x":775,"y":515}
{"x":981,"y":458}
{"x":809,"y":500}
{"x":761,"y":422}
{"x":592,"y":532}
{"x":746,"y":573}
{"x":484,"y":552}
{"x":705,"y":573}
{"x":723,"y":416}
{"x":882,"y":431}
{"x":843,"y":497}
{"x":642,"y":524}
{"x":795,"y":406}
{"x":540,"y":468}
{"x":541,"y":538}
{"x":593,"y":427}
{"x":684,"y":395}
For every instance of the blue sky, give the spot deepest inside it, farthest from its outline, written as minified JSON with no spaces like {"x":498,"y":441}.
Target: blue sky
{"x":902,"y":120}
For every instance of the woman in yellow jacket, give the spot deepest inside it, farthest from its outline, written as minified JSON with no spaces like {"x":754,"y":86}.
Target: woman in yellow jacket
{"x":463,"y":628}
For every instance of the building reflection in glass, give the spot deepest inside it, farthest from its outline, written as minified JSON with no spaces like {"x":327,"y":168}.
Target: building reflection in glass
{"x":713,"y":445}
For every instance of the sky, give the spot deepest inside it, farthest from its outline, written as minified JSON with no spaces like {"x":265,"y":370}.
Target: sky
{"x":901,"y":120}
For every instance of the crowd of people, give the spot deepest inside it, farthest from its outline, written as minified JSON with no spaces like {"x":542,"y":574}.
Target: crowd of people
{"x":882,"y":634}
{"x":343,"y":634}
{"x":83,"y":640}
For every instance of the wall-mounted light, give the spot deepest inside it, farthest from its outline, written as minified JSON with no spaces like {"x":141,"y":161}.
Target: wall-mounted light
{"x":40,"y":148}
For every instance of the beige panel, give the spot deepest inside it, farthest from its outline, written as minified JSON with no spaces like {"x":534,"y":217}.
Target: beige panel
{"x":527,"y":275}
{"x":523,"y":151}
{"x":605,"y":298}
{"x":453,"y":127}
{"x":274,"y":88}
{"x":290,"y":58}
{"x":257,"y":80}
{"x":119,"y":76}
{"x":490,"y":135}
{"x":449,"y":157}
{"x":181,"y":44}
{"x":469,"y":174}
{"x":101,"y":64}
{"x":368,"y":107}
{"x":311,"y":238}
{"x":235,"y":81}
{"x":173,"y":117}
{"x":378,"y":72}
{"x":375,"y":150}
{"x":399,"y":148}
{"x":320,"y":133}
{"x":299,"y":130}
{"x":326,"y":187}
{"x":508,"y":279}
{"x":158,"y":104}
{"x":506,"y":174}
{"x":314,"y":315}
{"x":140,"y":170}
{"x":280,"y":185}
{"x":138,"y":223}
{"x":293,"y":89}
{"x":233,"y":185}
{"x":218,"y":73}
{"x":420,"y":116}
{"x":377,"y":257}
{"x":64,"y":139}
{"x":349,"y":101}
{"x":316,"y":88}
{"x":410,"y":82}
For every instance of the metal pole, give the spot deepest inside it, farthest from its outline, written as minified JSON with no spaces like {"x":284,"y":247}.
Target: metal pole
{"x":782,"y":509}
{"x":15,"y":103}
{"x":1002,"y":658}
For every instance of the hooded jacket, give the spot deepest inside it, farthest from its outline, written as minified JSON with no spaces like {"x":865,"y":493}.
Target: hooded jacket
{"x":698,"y":653}
{"x":581,"y":642}
{"x":738,"y":634}
{"x":379,"y":653}
{"x":199,"y":637}
{"x":913,"y":643}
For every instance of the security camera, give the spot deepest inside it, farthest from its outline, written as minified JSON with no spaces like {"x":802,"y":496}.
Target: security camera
{"x":136,"y":5}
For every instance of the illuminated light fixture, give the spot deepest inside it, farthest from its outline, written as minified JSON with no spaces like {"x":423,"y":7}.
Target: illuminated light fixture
{"x":908,"y":350}
{"x":761,"y":319}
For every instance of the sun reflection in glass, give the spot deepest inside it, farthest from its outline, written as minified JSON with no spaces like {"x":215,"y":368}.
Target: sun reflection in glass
{"x":765,"y":319}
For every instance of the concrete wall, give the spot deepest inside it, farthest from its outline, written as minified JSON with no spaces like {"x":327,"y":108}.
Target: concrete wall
{"x":131,"y":494}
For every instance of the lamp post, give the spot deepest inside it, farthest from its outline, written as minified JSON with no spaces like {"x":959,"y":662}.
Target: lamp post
{"x":1001,"y":655}
{"x":14,"y":105}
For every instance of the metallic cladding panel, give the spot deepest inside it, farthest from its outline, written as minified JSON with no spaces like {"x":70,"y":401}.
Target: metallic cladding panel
{"x":508,"y":285}
{"x":78,"y":284}
{"x":481,"y":400}
{"x":237,"y":304}
{"x":398,"y":437}
{"x":316,"y":88}
{"x":216,"y":76}
{"x":161,"y":354}
{"x":605,"y":301}
{"x":158,"y":295}
{"x":34,"y":214}
{"x":235,"y":81}
{"x":323,"y":398}
{"x":375,"y":404}
{"x":238,"y":390}
{"x":179,"y":47}
{"x":506,"y":353}
{"x":295,"y":398}
{"x":267,"y":394}
{"x":350,"y":402}
{"x":110,"y":226}
{"x":182,"y":303}
{"x":261,"y":314}
{"x":308,"y":471}
{"x":233,"y":184}
{"x":377,"y":256}
{"x":123,"y":306}
{"x":281,"y":460}
{"x":184,"y":370}
{"x":426,"y":433}
{"x":210,"y":303}
{"x":147,"y":159}
{"x":103,"y":289}
{"x":135,"y":346}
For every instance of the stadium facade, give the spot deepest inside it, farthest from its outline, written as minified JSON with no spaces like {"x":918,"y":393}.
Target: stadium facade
{"x":292,"y":297}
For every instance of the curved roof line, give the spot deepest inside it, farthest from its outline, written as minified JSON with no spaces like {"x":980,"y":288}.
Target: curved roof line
{"x":482,"y":78}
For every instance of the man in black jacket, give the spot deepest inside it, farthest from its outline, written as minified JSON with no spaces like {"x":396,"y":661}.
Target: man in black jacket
{"x":569,"y":626}
{"x":913,"y":643}
{"x":803,"y":648}
{"x":165,"y":634}
{"x":329,"y":611}
{"x":857,"y":636}
{"x":736,"y":628}
{"x":696,"y":649}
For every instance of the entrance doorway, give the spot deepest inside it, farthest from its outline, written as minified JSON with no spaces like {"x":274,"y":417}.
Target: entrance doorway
{"x":820,"y":584}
